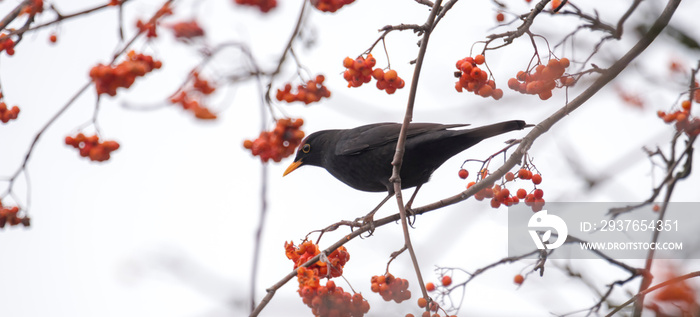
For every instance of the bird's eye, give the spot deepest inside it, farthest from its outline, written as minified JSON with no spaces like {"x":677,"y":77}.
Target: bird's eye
{"x":306,"y":148}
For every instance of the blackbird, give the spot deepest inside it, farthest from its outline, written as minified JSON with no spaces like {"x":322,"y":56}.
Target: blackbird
{"x":361,"y":157}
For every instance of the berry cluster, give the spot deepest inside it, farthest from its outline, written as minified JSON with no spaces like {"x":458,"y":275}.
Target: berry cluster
{"x":679,"y":296}
{"x":90,"y":146}
{"x":187,"y":30}
{"x":34,"y":7}
{"x":500,"y":195}
{"x":149,"y":27}
{"x":307,"y":250}
{"x":312,"y":91}
{"x":358,"y":71}
{"x":389,"y":81}
{"x":8,"y":215}
{"x":7,"y":114}
{"x":190,"y":98}
{"x":682,"y":118}
{"x":474,"y":79}
{"x":278,"y":143}
{"x":330,"y":5}
{"x":329,"y":300}
{"x":7,"y":44}
{"x":108,"y":78}
{"x":544,"y":79}
{"x":263,"y":5}
{"x":391,"y":288}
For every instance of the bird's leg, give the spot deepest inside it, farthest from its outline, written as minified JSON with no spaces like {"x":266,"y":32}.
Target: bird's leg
{"x":409,"y":211}
{"x":369,"y":218}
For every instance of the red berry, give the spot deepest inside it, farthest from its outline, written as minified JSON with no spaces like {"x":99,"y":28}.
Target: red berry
{"x":519,"y":279}
{"x":536,"y":179}
{"x":446,"y":280}
{"x":539,"y":193}
{"x":430,"y":287}
{"x":463,"y":174}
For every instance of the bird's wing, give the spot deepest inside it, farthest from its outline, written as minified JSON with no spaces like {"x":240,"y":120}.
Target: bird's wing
{"x":357,"y":140}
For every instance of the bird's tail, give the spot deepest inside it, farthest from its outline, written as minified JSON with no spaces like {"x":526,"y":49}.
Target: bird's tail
{"x":485,"y":132}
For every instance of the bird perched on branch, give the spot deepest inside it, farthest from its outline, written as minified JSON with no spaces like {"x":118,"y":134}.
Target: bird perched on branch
{"x":361,"y":157}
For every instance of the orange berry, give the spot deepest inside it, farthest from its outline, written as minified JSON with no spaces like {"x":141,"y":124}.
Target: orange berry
{"x":564,"y":62}
{"x":495,"y":203}
{"x":390,"y":75}
{"x":545,"y":94}
{"x":500,"y":17}
{"x":656,"y":208}
{"x":479,"y":59}
{"x":519,"y":279}
{"x":685,"y":104}
{"x":422,"y":302}
{"x":446,"y":280}
{"x":510,"y":177}
{"x":378,"y":74}
{"x":521,"y":193}
{"x":536,"y":179}
{"x":485,"y":91}
{"x":463,"y":174}
{"x":53,"y":38}
{"x":539,"y":193}
{"x":430,"y":287}
{"x":513,"y":84}
{"x":497,"y":94}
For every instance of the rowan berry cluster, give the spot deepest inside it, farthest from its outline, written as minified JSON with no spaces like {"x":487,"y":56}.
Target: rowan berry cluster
{"x":683,"y":121}
{"x":389,"y":81}
{"x":500,"y":195}
{"x":310,"y":92}
{"x":34,"y":7}
{"x":278,"y":143}
{"x":329,"y":300}
{"x":263,"y":5}
{"x":190,"y":98}
{"x":187,"y":30}
{"x":108,"y":78}
{"x":680,"y":296}
{"x":474,"y":79}
{"x":149,"y":27}
{"x":307,"y":250}
{"x":390,"y":287}
{"x":8,"y":215}
{"x":7,"y":114}
{"x":330,"y":5}
{"x":359,"y":71}
{"x":543,"y":80}
{"x":91,"y":147}
{"x":7,"y":44}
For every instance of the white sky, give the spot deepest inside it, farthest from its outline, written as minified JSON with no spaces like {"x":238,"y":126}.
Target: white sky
{"x":165,"y":228}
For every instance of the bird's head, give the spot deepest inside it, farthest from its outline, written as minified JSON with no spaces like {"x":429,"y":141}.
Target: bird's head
{"x":311,"y":151}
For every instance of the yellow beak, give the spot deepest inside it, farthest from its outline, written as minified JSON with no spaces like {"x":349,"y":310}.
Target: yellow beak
{"x":291,"y":168}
